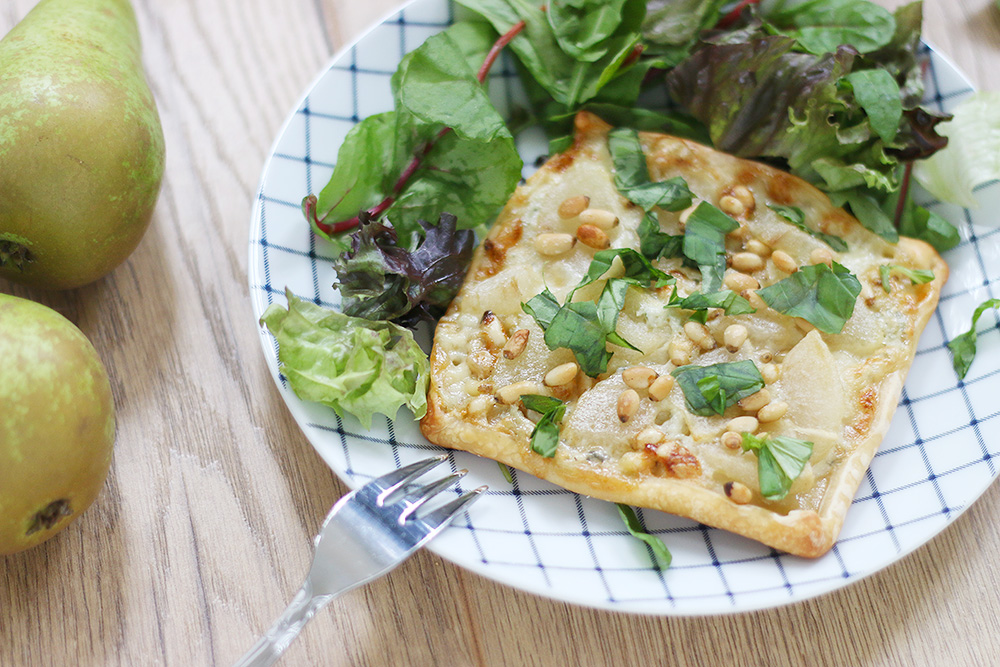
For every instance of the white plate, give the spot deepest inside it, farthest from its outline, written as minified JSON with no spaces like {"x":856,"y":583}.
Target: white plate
{"x":937,"y":459}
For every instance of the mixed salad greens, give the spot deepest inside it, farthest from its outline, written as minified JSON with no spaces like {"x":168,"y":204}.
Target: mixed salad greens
{"x":829,"y":90}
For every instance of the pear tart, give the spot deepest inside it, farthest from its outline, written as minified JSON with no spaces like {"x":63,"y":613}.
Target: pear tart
{"x":622,"y":417}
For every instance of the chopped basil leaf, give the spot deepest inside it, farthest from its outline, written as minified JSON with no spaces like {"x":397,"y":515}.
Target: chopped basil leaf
{"x":540,"y":403}
{"x":705,"y":243}
{"x":639,"y":271}
{"x":586,"y":327}
{"x":780,"y":460}
{"x":632,"y":175}
{"x":711,"y":389}
{"x":632,"y":181}
{"x":963,"y":346}
{"x":636,"y":529}
{"x":730,"y":301}
{"x":544,"y":307}
{"x":545,"y":435}
{"x":507,"y":474}
{"x":654,"y":243}
{"x":819,"y":294}
{"x":797,"y":217}
{"x":916,"y":276}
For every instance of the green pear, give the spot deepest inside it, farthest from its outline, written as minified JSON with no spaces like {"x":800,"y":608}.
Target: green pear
{"x":81,"y":146}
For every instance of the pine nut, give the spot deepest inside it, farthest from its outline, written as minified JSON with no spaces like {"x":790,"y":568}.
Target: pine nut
{"x":737,"y":492}
{"x":821,"y":255}
{"x":649,"y":436}
{"x":561,"y":374}
{"x":746,"y":197}
{"x":552,"y":244}
{"x":747,"y":261}
{"x":770,"y":373}
{"x":593,"y":237}
{"x":732,"y":439}
{"x":734,"y":336}
{"x":638,"y":377}
{"x":599,"y":218}
{"x":679,"y":351}
{"x":758,"y":247}
{"x":511,"y":393}
{"x":784,"y":262}
{"x":628,"y":403}
{"x":766,"y":357}
{"x":573,"y":206}
{"x":755,"y":299}
{"x":738,"y":282}
{"x":755,"y":402}
{"x":699,"y":334}
{"x":660,"y":387}
{"x":732,"y":206}
{"x":516,"y":343}
{"x":745,"y":424}
{"x":493,"y":329}
{"x":772,"y":412}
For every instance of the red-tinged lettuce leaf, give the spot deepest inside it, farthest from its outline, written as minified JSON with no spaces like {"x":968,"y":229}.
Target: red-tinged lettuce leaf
{"x":734,"y":89}
{"x":350,"y":364}
{"x":382,"y":280}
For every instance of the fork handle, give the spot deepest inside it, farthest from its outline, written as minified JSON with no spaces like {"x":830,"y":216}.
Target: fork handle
{"x":274,"y":642}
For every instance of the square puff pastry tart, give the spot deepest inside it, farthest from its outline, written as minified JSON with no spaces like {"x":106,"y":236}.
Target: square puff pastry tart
{"x":836,"y":391}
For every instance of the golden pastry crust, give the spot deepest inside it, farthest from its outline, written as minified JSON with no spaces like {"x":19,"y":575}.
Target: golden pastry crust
{"x":838,"y":391}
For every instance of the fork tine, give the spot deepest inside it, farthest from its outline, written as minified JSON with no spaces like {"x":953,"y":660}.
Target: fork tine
{"x":391,"y":482}
{"x":418,"y":497}
{"x":440,"y":517}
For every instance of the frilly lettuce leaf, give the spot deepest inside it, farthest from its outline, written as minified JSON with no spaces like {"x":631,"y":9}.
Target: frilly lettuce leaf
{"x":381,"y":279}
{"x":973,"y":153}
{"x":347,"y":363}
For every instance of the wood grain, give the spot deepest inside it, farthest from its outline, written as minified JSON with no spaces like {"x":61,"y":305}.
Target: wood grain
{"x":203,"y":530}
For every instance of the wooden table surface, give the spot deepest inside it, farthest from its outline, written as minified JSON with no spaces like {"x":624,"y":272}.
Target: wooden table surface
{"x":204,"y":528}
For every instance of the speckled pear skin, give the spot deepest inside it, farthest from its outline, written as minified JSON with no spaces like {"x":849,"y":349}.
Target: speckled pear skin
{"x":57,"y":423}
{"x":81,"y":145}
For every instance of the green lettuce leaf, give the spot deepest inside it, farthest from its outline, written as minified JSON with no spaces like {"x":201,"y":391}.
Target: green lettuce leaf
{"x":820,"y":26}
{"x":350,"y":364}
{"x":972,"y":156}
{"x":468,"y":170}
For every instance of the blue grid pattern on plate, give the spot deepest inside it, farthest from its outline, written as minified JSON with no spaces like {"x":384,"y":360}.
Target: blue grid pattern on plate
{"x":936,"y":459}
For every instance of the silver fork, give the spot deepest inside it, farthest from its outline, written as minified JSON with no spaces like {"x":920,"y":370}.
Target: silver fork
{"x":367,"y":533}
